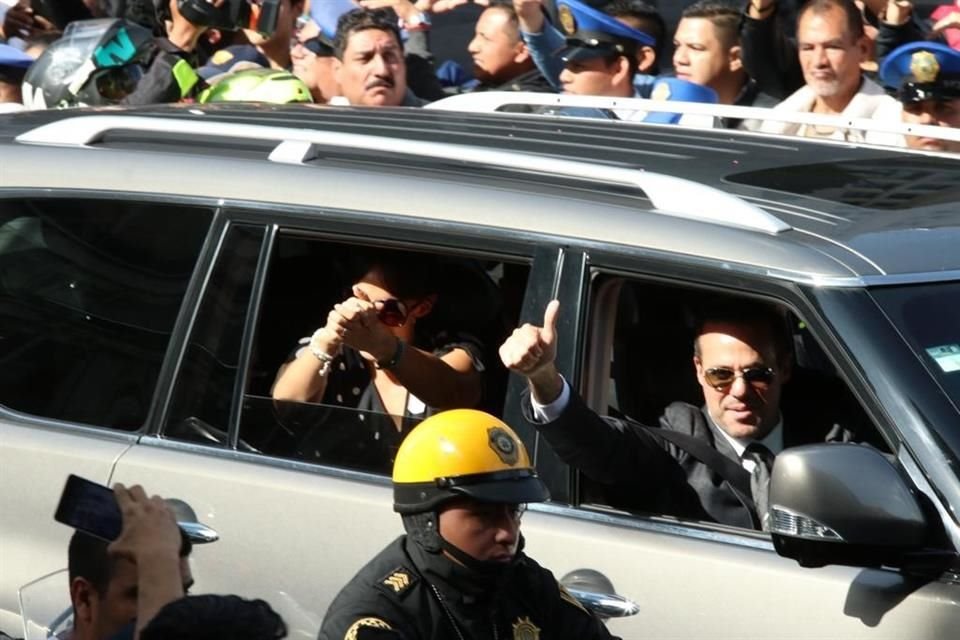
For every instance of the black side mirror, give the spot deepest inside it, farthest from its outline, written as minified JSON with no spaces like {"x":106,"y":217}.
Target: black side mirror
{"x":843,"y":504}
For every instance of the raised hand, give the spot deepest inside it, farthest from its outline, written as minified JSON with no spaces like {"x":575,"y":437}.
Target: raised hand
{"x":531,"y":351}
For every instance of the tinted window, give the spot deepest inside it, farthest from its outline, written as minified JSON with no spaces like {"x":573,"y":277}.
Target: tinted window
{"x":91,"y":292}
{"x":353,"y":422}
{"x":204,"y":391}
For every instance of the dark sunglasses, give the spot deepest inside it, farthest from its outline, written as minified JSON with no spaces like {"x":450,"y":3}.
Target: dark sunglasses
{"x":722,"y":377}
{"x":391,"y":312}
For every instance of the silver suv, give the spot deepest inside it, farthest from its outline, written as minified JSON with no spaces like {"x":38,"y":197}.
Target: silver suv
{"x":157,"y":266}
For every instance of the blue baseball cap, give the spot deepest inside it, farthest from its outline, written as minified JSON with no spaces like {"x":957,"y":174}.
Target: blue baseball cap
{"x":920,"y":71}
{"x":11,"y":57}
{"x":590,"y":33}
{"x":677,"y":90}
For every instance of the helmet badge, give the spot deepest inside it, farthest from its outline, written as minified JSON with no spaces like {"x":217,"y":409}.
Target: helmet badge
{"x":567,"y":21}
{"x":502,"y":445}
{"x":924,"y":66}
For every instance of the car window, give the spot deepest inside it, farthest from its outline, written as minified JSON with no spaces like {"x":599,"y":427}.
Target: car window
{"x":642,"y":370}
{"x":350,"y":422}
{"x":91,"y":291}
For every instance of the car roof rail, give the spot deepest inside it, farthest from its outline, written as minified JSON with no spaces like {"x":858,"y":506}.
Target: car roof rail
{"x":496,"y":101}
{"x":668,"y":194}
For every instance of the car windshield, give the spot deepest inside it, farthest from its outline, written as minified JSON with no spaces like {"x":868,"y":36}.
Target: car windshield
{"x":928,"y":316}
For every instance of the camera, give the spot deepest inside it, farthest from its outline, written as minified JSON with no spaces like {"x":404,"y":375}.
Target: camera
{"x":258,"y":15}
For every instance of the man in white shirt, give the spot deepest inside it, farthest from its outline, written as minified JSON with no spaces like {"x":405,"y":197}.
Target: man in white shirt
{"x":702,"y":463}
{"x":831,"y":45}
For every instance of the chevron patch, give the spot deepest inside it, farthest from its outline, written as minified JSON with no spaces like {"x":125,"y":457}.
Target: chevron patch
{"x":398,"y":581}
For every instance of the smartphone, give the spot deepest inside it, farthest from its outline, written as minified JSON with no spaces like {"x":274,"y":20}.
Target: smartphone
{"x":89,"y":507}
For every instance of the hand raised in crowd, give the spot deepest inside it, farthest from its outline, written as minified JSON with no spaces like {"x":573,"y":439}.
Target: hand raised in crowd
{"x":530,"y":15}
{"x":183,"y":33}
{"x":22,"y":22}
{"x":405,"y":9}
{"x":151,"y":539}
{"x":531,"y":351}
{"x":951,"y":21}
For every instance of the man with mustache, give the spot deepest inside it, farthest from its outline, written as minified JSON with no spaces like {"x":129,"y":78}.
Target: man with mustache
{"x":703,"y":463}
{"x":832,"y":46}
{"x":370,"y":66}
{"x":461,"y":482}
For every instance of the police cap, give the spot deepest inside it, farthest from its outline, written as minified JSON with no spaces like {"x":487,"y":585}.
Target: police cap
{"x":590,"y":33}
{"x":920,"y":71}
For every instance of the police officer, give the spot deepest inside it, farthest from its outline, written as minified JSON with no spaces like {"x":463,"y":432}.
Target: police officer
{"x":926,"y":78}
{"x":461,"y":480}
{"x":600,"y":52}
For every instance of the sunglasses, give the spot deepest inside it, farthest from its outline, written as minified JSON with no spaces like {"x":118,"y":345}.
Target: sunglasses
{"x":391,"y":312}
{"x":721,"y":378}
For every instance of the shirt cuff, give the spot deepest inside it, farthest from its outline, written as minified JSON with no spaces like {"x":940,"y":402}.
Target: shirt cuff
{"x":545,"y":413}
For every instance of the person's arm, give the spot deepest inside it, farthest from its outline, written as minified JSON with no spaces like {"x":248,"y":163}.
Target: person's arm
{"x":898,"y":26}
{"x":150,"y":539}
{"x":769,"y":57}
{"x":304,"y":379}
{"x":541,"y":38}
{"x":171,"y":76}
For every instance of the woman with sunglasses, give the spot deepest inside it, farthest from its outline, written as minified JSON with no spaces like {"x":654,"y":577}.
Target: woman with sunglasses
{"x":369,"y":354}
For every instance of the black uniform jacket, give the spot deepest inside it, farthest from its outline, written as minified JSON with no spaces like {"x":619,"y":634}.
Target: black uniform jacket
{"x":655,"y":476}
{"x":405,"y":592}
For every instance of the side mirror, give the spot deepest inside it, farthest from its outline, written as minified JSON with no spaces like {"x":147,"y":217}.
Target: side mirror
{"x":843,"y":504}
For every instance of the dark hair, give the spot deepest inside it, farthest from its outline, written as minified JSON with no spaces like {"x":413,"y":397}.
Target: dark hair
{"x":409,"y":276}
{"x":506,"y":6}
{"x":361,"y":20}
{"x":723,"y":14}
{"x":87,"y":558}
{"x":215,"y":617}
{"x":649,"y":19}
{"x":746,"y":313}
{"x":850,"y":10}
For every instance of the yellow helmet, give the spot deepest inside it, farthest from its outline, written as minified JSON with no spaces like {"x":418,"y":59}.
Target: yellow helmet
{"x":463,"y":452}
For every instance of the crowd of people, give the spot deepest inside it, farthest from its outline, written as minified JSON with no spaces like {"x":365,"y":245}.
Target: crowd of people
{"x":864,"y":59}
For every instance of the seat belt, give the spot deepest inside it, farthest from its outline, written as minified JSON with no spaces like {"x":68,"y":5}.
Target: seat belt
{"x":736,"y":476}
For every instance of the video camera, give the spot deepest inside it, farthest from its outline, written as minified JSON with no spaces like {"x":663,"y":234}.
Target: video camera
{"x":258,"y":15}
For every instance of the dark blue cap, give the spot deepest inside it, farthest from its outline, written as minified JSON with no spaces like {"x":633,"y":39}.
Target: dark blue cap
{"x":677,"y":90}
{"x":922,"y":71}
{"x":590,"y":33}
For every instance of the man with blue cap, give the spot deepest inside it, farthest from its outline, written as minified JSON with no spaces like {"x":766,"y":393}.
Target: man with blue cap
{"x":599,"y":54}
{"x":926,"y":79}
{"x":13,"y":66}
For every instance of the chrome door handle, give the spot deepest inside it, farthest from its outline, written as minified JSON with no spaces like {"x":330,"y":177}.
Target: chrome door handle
{"x":605,"y":605}
{"x":198,"y":532}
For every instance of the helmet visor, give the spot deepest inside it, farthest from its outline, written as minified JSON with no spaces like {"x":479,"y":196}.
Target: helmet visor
{"x":515,"y":486}
{"x":117,"y":83}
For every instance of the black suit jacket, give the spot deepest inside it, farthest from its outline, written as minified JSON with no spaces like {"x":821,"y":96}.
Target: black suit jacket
{"x":649,"y":474}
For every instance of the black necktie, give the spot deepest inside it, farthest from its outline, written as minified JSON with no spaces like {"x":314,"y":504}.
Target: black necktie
{"x":760,"y":479}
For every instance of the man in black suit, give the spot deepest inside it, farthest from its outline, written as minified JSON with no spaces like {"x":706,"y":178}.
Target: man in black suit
{"x":743,"y":359}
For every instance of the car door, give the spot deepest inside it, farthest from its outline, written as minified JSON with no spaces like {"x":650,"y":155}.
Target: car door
{"x":296,"y":519}
{"x":91,"y":292}
{"x":692,"y":579}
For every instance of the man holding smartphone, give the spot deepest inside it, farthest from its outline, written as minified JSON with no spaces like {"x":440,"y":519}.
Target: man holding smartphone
{"x":116,"y":585}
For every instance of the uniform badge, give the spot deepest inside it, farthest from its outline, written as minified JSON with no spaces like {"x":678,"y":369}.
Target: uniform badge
{"x":375,"y":623}
{"x":524,"y":629}
{"x":221,"y":57}
{"x":567,"y":21}
{"x":397,"y":581}
{"x":924,"y":66}
{"x":661,"y":92}
{"x":503,"y":445}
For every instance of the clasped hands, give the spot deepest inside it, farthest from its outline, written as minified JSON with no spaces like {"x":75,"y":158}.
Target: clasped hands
{"x":354,"y":323}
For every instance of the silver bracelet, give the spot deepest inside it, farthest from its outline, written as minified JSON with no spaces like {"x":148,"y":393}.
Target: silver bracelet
{"x":320,"y":354}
